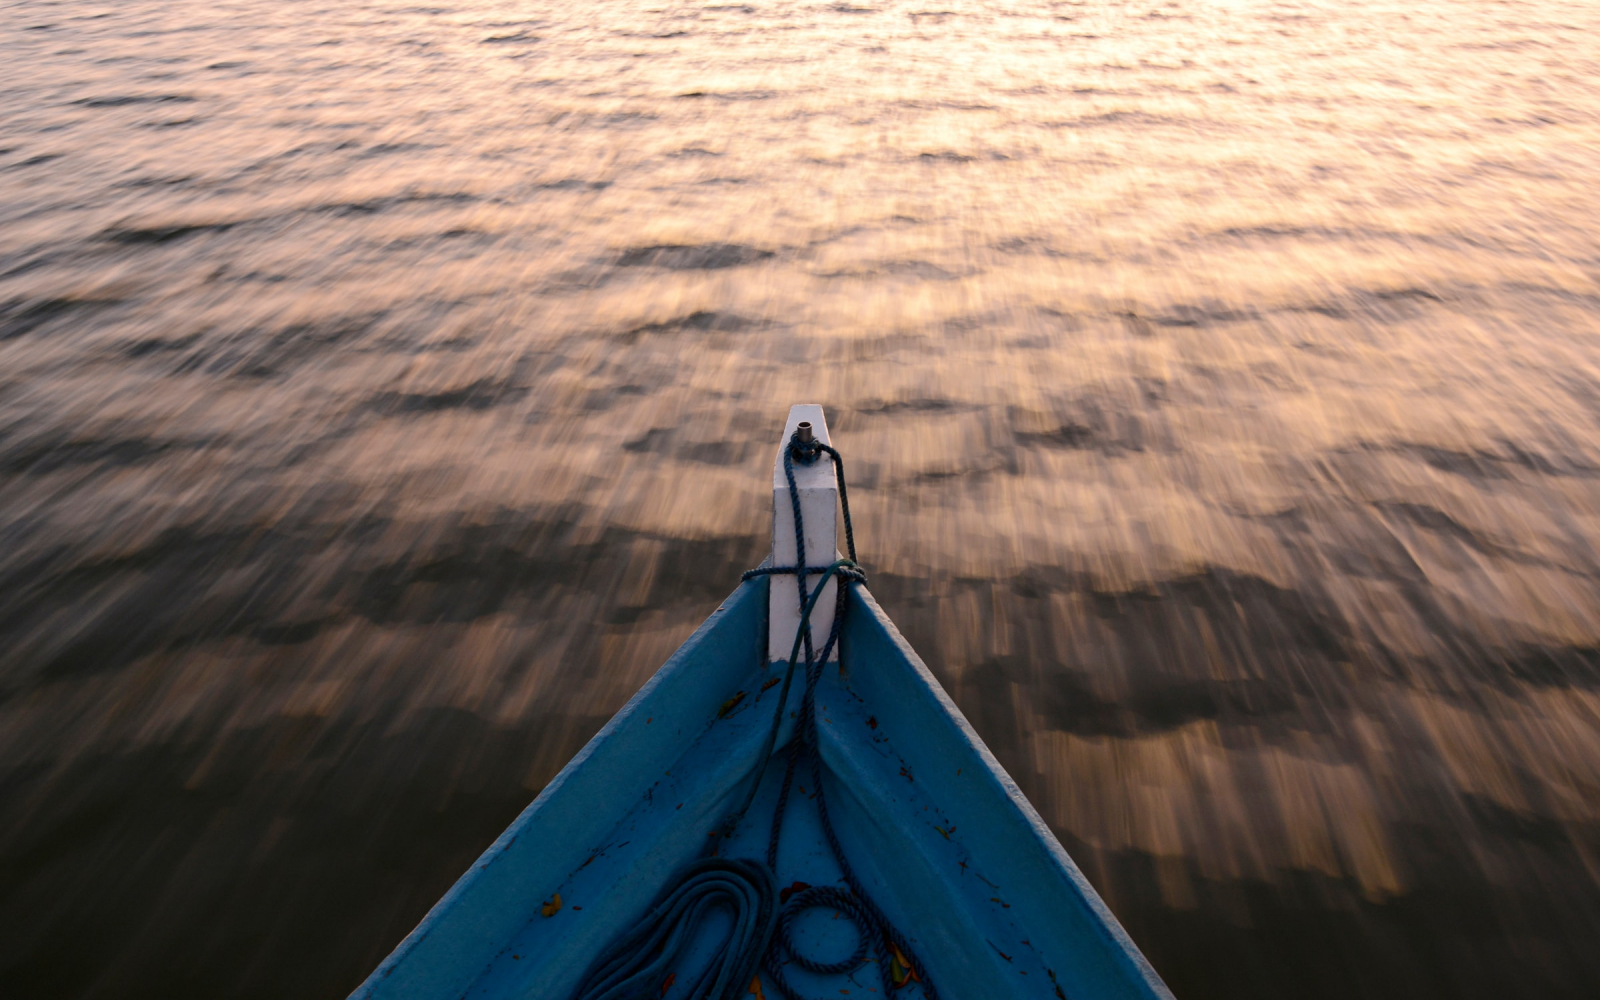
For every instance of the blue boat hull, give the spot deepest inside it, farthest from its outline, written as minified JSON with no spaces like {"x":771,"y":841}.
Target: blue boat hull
{"x":937,"y":832}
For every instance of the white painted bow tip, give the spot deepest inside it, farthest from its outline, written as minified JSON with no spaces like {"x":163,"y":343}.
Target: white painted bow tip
{"x":818,"y":490}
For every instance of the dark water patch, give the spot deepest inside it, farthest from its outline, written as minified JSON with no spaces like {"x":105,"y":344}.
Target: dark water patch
{"x":625,"y":119}
{"x":63,"y":617}
{"x":1438,"y":522}
{"x":1120,"y":118}
{"x":971,"y":474}
{"x":280,"y":814}
{"x":1112,"y":425}
{"x":479,"y":569}
{"x":1485,"y":465}
{"x":728,"y":95}
{"x":1530,"y":121}
{"x":718,"y":452}
{"x":1384,"y":305}
{"x":895,"y":407}
{"x":572,"y":184}
{"x":35,"y":161}
{"x":1066,"y":702}
{"x":20,"y":317}
{"x":156,"y":235}
{"x":1557,"y":667}
{"x":291,"y":633}
{"x":511,"y":37}
{"x":1401,"y":294}
{"x":1331,"y":310}
{"x":159,"y":181}
{"x":1301,"y":233}
{"x":945,"y":105}
{"x":109,"y":612}
{"x":699,"y":321}
{"x":688,"y":151}
{"x":1294,"y":936}
{"x":1513,"y":826}
{"x":1191,"y":316}
{"x":1033,"y":246}
{"x":1217,"y":644}
{"x":743,"y":95}
{"x":391,"y":148}
{"x":1066,"y":435}
{"x":701,"y":257}
{"x":946,"y":156}
{"x":122,"y":101}
{"x":373,"y":206}
{"x":605,"y":399}
{"x":920,"y":270}
{"x":668,"y":441}
{"x":264,"y":353}
{"x":1467,"y":464}
{"x":1251,"y":617}
{"x":42,"y":455}
{"x":29,"y":259}
{"x":476,"y":238}
{"x":483,"y":394}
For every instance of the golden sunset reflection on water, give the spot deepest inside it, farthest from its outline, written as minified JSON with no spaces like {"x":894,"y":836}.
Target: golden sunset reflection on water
{"x":387,"y":389}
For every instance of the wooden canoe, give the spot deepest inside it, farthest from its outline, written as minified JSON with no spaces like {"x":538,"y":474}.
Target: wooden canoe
{"x":937,"y":833}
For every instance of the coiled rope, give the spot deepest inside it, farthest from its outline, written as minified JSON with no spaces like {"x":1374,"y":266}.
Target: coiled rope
{"x":638,"y":962}
{"x":636,"y":966}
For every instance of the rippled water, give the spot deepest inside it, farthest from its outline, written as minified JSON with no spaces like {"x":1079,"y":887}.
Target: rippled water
{"x":386,"y":390}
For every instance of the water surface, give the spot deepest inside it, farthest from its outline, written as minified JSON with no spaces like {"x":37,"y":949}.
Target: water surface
{"x":387,"y":389}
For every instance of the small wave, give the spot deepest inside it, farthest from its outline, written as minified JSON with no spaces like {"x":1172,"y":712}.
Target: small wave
{"x":703,"y":257}
{"x":372,"y":206}
{"x":703,"y":320}
{"x":146,"y":235}
{"x":40,"y":456}
{"x":511,"y":37}
{"x":24,"y":316}
{"x":124,"y":100}
{"x":483,"y":394}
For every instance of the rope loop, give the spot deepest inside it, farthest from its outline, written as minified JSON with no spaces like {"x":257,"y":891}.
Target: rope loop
{"x":824,"y":897}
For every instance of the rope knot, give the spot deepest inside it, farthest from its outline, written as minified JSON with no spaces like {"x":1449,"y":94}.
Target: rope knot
{"x":806,"y":450}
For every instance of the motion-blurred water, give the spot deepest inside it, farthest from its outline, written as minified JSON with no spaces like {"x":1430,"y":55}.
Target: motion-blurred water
{"x":386,"y":390}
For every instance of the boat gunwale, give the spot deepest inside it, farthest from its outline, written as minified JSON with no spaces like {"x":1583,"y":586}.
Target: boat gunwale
{"x":1113,"y":934}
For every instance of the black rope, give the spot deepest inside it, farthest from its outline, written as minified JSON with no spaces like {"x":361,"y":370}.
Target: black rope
{"x":635,"y":965}
{"x":806,"y":452}
{"x":873,"y":928}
